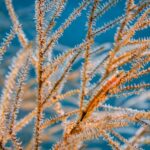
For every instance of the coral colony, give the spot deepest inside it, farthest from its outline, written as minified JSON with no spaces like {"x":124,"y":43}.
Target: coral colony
{"x":88,"y":93}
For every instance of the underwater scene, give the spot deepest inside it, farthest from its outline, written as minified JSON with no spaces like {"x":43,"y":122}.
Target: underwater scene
{"x":74,"y":74}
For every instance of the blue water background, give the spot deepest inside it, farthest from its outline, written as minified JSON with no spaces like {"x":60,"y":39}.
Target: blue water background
{"x":71,"y":37}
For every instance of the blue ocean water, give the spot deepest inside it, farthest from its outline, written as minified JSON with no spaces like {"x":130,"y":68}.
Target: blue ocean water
{"x":71,"y":37}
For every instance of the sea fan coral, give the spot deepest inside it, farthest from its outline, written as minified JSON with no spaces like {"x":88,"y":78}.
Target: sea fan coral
{"x":67,"y":98}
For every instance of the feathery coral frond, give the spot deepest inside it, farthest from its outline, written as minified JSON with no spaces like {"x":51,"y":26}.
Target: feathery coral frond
{"x":91,"y":100}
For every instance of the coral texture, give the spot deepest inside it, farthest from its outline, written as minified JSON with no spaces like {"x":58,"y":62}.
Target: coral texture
{"x":67,"y":100}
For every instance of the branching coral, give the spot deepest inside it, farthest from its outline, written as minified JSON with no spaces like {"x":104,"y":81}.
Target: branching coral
{"x":125,"y":63}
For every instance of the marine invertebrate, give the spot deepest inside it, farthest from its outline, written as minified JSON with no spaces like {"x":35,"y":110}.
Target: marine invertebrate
{"x":126,"y":61}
